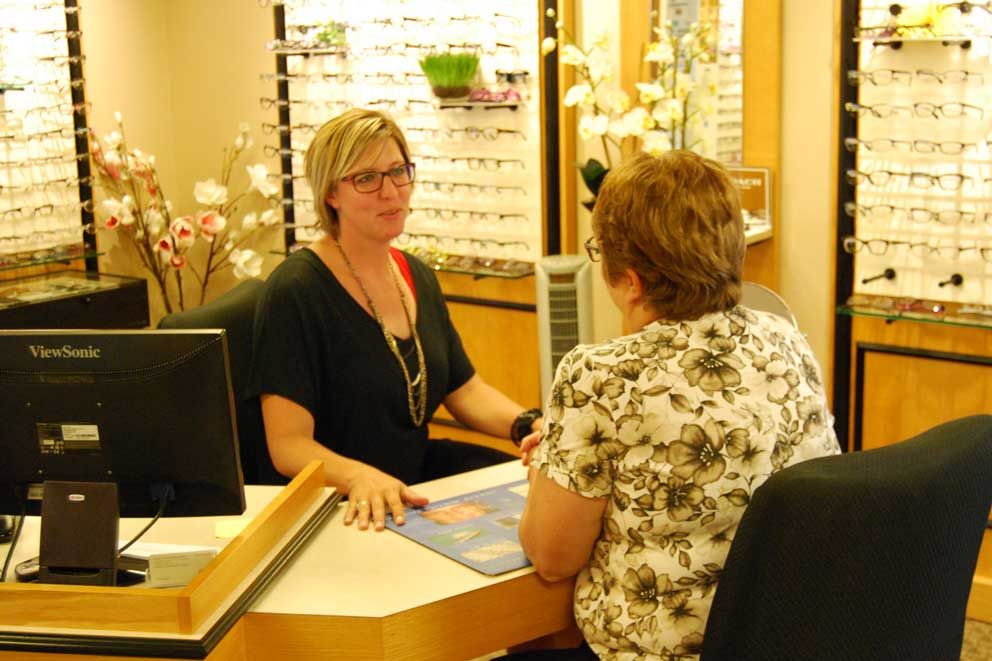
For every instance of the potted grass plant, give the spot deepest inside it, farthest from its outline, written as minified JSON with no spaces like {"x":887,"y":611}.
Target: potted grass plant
{"x":450,"y":74}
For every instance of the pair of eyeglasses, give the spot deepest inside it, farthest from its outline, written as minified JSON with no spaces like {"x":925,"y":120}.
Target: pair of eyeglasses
{"x":879,"y":76}
{"x":283,"y":128}
{"x":371,"y":181}
{"x":920,"y":109}
{"x":948,"y":182}
{"x":952,"y":76}
{"x":271,"y":151}
{"x":947,"y":147}
{"x":915,"y":214}
{"x":312,"y":77}
{"x":853,"y":244}
{"x":458,"y":186}
{"x":593,"y":249}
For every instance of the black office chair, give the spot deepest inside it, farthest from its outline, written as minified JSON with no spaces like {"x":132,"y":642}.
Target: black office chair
{"x":865,"y":555}
{"x":234,"y":311}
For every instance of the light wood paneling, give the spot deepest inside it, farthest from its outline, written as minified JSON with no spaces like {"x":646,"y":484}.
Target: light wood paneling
{"x":503,"y":347}
{"x":762,"y":62}
{"x":516,"y":290}
{"x":917,"y":335}
{"x":907,"y":395}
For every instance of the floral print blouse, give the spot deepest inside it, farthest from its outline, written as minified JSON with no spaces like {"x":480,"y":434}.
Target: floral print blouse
{"x":676,"y":425}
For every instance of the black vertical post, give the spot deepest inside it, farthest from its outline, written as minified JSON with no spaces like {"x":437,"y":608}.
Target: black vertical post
{"x":552,"y":228}
{"x":844,"y":263}
{"x":80,"y":132}
{"x":285,"y":137}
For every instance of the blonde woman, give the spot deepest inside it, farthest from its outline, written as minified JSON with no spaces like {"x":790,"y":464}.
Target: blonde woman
{"x":654,"y":441}
{"x":354,"y":348}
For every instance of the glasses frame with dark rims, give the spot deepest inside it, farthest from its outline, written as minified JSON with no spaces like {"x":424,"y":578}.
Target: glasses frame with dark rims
{"x":594,"y":252}
{"x":401,"y":176}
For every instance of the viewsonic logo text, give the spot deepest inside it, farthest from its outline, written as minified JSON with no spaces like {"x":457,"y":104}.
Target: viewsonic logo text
{"x":64,"y":351}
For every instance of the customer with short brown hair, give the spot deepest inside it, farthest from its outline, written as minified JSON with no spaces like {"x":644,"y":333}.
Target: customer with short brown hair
{"x":653,"y":442}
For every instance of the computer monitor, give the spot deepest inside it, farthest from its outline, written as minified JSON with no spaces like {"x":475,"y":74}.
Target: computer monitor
{"x":149,"y":410}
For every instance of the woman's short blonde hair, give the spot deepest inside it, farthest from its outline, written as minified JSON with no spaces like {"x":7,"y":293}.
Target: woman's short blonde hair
{"x":339,"y":143}
{"x":676,"y":221}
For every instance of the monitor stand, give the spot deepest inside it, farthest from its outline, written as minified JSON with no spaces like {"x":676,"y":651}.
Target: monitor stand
{"x":79,"y":523}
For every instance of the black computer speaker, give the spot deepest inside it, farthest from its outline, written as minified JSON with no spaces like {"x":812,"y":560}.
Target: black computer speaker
{"x":79,"y":533}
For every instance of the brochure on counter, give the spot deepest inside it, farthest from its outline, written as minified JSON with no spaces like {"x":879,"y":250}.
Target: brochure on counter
{"x":477,"y":529}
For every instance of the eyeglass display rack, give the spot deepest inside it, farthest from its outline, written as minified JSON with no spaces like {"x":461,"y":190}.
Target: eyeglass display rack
{"x":485,"y":162}
{"x":45,"y":195}
{"x":914,"y":221}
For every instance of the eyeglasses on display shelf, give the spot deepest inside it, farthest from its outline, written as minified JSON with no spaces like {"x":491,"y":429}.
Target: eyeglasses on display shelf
{"x":472,"y":256}
{"x":882,"y":145}
{"x":951,"y":181}
{"x":885,"y":212}
{"x":463,"y":153}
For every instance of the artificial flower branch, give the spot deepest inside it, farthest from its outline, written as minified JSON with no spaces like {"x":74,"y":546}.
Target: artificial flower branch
{"x":136,"y":206}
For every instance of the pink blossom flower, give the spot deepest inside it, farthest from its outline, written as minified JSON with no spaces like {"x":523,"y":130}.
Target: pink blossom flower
{"x":178,"y":261}
{"x":182,"y":232}
{"x":211,"y":224}
{"x":164,"y":248}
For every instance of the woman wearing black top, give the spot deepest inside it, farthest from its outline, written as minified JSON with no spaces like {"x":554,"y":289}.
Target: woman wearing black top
{"x":354,"y":348}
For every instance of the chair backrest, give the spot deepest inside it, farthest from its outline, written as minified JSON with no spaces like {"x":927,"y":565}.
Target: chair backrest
{"x":760,"y":297}
{"x":234,"y":311}
{"x":864,"y":555}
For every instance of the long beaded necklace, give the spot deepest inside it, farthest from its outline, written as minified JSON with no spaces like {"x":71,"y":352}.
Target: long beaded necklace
{"x":416,"y":404}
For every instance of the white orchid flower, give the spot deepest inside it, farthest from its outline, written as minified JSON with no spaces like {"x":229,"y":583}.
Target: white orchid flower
{"x":572,"y":54}
{"x":650,"y":92}
{"x":667,"y":112}
{"x":617,"y":101}
{"x":210,"y":193}
{"x":660,"y":52}
{"x":548,"y":45}
{"x":656,"y":142}
{"x":618,"y":129}
{"x":637,"y":121}
{"x":260,"y":181}
{"x":246,"y":263}
{"x":600,"y":69}
{"x":593,"y":125}
{"x":580,"y":94}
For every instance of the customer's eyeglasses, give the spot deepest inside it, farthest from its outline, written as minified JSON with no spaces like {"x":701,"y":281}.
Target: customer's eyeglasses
{"x":593,"y":250}
{"x":371,"y":181}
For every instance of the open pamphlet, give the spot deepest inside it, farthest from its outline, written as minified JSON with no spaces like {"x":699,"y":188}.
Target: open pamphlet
{"x":166,"y":565}
{"x":477,"y":529}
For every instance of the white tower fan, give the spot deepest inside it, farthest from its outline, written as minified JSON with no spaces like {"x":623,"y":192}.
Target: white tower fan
{"x":564,"y":310}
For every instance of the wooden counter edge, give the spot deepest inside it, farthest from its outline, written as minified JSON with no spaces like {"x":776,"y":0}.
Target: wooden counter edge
{"x":243,"y":553}
{"x":168,"y":610}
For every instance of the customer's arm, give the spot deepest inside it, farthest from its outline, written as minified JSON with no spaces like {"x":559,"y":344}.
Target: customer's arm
{"x":289,"y":431}
{"x":559,"y":527}
{"x":481,"y":407}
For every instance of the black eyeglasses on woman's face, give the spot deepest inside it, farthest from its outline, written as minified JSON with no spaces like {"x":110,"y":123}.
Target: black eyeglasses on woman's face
{"x":592,"y":249}
{"x":370,"y":181}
